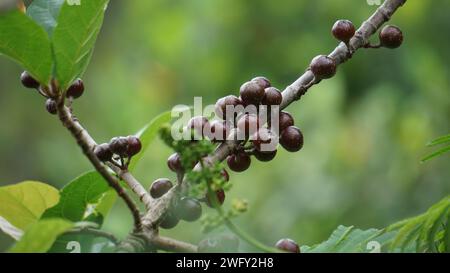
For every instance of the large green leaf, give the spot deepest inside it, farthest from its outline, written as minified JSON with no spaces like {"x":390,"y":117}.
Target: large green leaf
{"x":40,"y":236}
{"x":149,"y":133}
{"x":23,"y":204}
{"x":407,"y":233}
{"x":345,"y":240}
{"x":420,"y":233}
{"x":45,"y":13}
{"x":86,"y":197}
{"x":27,"y":43}
{"x":434,"y":219}
{"x":74,"y":38}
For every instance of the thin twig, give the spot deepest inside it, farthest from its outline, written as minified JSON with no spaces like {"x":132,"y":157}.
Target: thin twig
{"x":84,"y":141}
{"x":340,"y":54}
{"x":172,"y":245}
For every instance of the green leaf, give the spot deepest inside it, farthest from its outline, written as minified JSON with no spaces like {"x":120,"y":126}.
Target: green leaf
{"x":23,"y":204}
{"x":83,"y":198}
{"x":446,"y":239}
{"x":408,"y":232}
{"x":435,"y":154}
{"x":45,"y":13}
{"x":9,"y":229}
{"x":24,"y":41}
{"x":346,"y":240}
{"x":149,"y":133}
{"x":435,"y":217}
{"x":418,"y":234}
{"x":440,"y":140}
{"x":74,"y":38}
{"x":40,"y":236}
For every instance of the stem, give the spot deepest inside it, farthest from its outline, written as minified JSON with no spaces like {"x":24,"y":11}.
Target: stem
{"x":169,"y":244}
{"x":368,"y":45}
{"x":79,"y":133}
{"x":235,"y":229}
{"x":249,"y":239}
{"x":156,"y":209}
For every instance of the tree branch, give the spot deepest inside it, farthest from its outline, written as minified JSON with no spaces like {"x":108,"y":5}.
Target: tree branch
{"x":292,"y":93}
{"x":340,"y":54}
{"x":157,"y":208}
{"x":145,"y":227}
{"x":169,"y":244}
{"x":87,"y":145}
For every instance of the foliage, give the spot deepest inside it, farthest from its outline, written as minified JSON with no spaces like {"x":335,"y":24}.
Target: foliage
{"x":40,"y":236}
{"x":23,"y":204}
{"x":441,"y":151}
{"x":57,"y":40}
{"x":428,"y":232}
{"x":67,"y":46}
{"x":26,"y":43}
{"x":87,"y":197}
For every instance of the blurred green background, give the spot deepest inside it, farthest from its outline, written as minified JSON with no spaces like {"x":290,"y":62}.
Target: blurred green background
{"x":365,"y":130}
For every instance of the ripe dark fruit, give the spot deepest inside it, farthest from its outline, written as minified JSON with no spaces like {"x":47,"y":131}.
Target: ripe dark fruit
{"x":285,"y":120}
{"x":103,"y":152}
{"x":247,"y":125}
{"x":291,"y":139}
{"x":119,"y":145}
{"x":169,"y":221}
{"x":262,"y":81}
{"x":239,"y":162}
{"x":220,"y":195}
{"x":188,"y":209}
{"x":288,"y":245}
{"x":323,"y":67}
{"x":343,"y":30}
{"x":265,"y":156}
{"x":160,"y":187}
{"x":391,"y":37}
{"x":174,"y":163}
{"x":134,"y":146}
{"x":272,"y":96}
{"x":28,"y":81}
{"x":50,"y":105}
{"x":221,"y":106}
{"x":251,"y":93}
{"x":76,"y":89}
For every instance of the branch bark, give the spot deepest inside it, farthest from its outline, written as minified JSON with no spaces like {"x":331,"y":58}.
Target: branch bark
{"x":87,"y":145}
{"x":297,"y":89}
{"x":144,"y":227}
{"x":156,"y":208}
